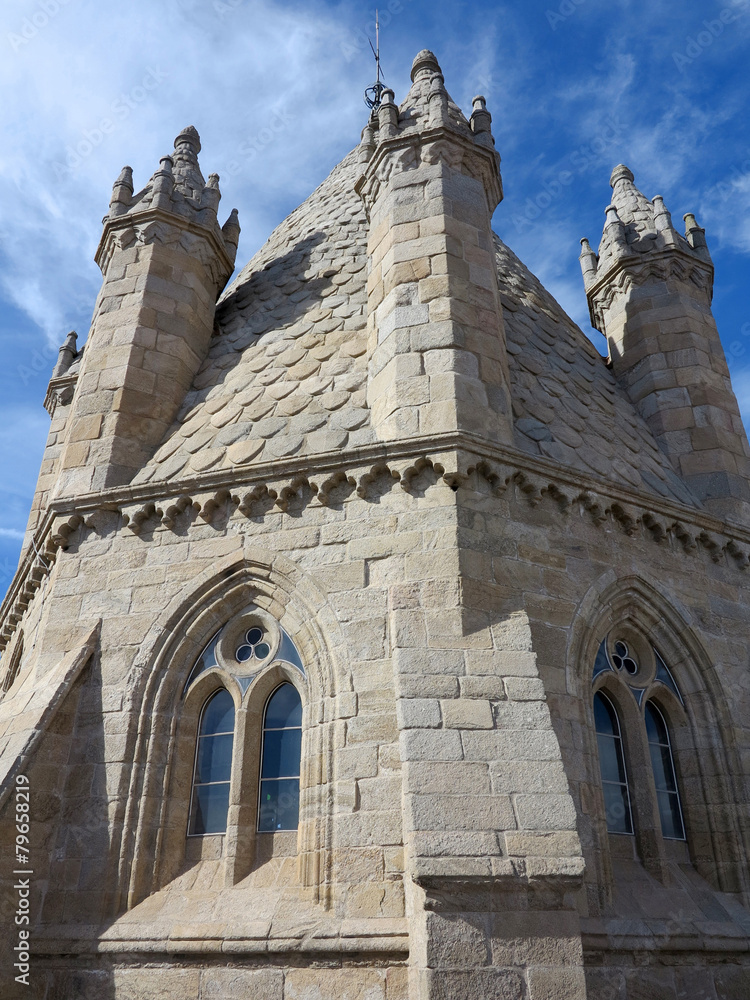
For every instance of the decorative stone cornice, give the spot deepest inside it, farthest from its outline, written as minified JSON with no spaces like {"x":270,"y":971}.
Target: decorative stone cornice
{"x":637,"y":269}
{"x":408,"y":150}
{"x":60,"y":391}
{"x":156,"y":225}
{"x":453,"y":459}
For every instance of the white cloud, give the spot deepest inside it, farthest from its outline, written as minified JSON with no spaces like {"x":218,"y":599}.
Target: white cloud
{"x":266,"y":83}
{"x":13,"y":533}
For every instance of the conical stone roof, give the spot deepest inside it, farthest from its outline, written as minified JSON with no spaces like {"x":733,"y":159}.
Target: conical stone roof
{"x":286,"y":373}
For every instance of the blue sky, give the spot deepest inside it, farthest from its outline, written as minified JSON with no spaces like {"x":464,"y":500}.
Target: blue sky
{"x":275,"y":89}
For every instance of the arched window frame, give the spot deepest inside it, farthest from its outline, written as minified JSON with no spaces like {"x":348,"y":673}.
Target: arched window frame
{"x":241,"y":846}
{"x":701,"y":727}
{"x":654,"y":850}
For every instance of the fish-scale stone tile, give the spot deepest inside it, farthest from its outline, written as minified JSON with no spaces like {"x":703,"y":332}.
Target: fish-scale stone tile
{"x":287,"y":373}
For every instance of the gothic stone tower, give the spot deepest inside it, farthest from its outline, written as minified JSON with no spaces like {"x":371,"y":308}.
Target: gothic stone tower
{"x":374,"y":636}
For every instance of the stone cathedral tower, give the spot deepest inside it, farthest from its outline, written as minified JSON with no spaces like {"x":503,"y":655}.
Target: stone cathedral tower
{"x":374,"y":637}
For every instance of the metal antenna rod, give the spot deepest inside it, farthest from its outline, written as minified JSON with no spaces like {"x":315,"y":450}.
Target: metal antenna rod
{"x":374,"y":93}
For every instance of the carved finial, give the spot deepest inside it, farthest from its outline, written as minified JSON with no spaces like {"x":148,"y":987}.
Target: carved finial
{"x":210,"y":198}
{"x":425,"y":63}
{"x":481,"y":122}
{"x":437,"y":101}
{"x":231,"y":232}
{"x":588,"y":261}
{"x":615,"y":229}
{"x":66,"y":355}
{"x":122,"y":192}
{"x":388,"y":114}
{"x":189,"y":137}
{"x":621,"y":173}
{"x":663,"y":221}
{"x":367,"y":144}
{"x":696,"y":236}
{"x":163,"y":183}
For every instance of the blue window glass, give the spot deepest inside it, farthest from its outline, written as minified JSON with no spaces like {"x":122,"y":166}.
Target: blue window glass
{"x":668,"y":797}
{"x":278,"y":808}
{"x":213,"y":766}
{"x":612,"y":765}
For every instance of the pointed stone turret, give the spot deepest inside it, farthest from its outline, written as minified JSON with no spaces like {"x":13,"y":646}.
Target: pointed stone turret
{"x":649,"y":291}
{"x":165,"y":260}
{"x":430,"y":184}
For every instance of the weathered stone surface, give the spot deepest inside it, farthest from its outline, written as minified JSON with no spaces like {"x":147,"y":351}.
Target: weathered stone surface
{"x":446,"y":608}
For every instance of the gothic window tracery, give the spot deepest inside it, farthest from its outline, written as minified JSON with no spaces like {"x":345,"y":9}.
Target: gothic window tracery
{"x":627,"y":664}
{"x":250,"y":726}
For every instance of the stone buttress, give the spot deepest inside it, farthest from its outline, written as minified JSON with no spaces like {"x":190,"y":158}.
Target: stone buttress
{"x":649,"y":292}
{"x":430,"y":184}
{"x":165,"y":259}
{"x":471,"y":706}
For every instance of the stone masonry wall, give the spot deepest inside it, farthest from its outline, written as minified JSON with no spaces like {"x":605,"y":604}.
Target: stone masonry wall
{"x":453,"y":616}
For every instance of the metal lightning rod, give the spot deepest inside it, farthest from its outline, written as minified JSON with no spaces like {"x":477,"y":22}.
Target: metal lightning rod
{"x":374,"y":93}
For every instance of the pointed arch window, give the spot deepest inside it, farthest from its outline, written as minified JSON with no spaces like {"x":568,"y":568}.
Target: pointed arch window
{"x":213,"y":766}
{"x":278,"y":808}
{"x":665,"y":780}
{"x":612,"y":764}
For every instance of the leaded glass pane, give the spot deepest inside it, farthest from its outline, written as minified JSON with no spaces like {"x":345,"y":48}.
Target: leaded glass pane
{"x":670,"y":816}
{"x":214,"y":759}
{"x":210,"y":807}
{"x":281,"y":753}
{"x":665,"y":779}
{"x":284,"y":708}
{"x":612,"y":766}
{"x":617,"y":808}
{"x":279,"y":805}
{"x":610,"y":759}
{"x":213,"y":766}
{"x":218,"y":715}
